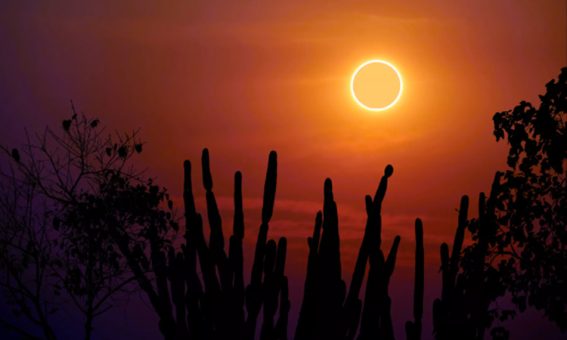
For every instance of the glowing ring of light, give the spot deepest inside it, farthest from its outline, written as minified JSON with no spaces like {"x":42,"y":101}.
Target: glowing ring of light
{"x":376,"y":61}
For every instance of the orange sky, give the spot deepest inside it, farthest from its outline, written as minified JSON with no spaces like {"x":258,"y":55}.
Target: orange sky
{"x":243,"y":78}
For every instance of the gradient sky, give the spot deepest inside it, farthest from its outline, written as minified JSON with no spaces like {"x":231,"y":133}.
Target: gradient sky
{"x":243,"y":78}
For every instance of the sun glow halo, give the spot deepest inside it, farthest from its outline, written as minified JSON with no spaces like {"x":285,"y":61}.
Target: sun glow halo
{"x":374,"y":83}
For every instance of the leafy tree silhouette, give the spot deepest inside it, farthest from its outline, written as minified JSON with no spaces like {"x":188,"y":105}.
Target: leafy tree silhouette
{"x":532,"y":203}
{"x":55,"y":243}
{"x":520,"y":236}
{"x":531,"y":241}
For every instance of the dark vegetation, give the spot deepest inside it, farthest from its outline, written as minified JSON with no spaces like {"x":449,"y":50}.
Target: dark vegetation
{"x":80,"y":228}
{"x":55,"y":247}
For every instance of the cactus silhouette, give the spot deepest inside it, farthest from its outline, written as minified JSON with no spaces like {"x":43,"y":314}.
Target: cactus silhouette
{"x":468,"y":286}
{"x":449,"y":312}
{"x":199,"y":291}
{"x":413,"y":328}
{"x":327,"y":311}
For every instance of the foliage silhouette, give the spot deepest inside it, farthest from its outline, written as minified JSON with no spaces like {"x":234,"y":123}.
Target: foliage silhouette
{"x":520,"y":236}
{"x":54,"y":244}
{"x":531,"y":208}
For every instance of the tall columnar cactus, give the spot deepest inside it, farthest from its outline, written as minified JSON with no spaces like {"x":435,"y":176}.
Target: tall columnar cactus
{"x":214,"y":304}
{"x":262,"y":257}
{"x":321,"y":310}
{"x":331,"y":289}
{"x":188,"y":259}
{"x":468,"y":285}
{"x":413,"y":328}
{"x":376,"y":318}
{"x":306,"y":322}
{"x":236,"y":258}
{"x":449,"y":312}
{"x":327,"y":312}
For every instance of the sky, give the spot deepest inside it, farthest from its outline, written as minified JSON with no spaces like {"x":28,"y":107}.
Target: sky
{"x":243,"y":78}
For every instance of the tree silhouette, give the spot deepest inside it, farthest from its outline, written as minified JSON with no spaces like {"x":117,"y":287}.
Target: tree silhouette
{"x":532,"y":203}
{"x":54,"y":240}
{"x":25,"y":249}
{"x":520,"y":236}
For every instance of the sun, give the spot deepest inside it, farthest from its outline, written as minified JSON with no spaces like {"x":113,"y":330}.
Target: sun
{"x":376,"y":85}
